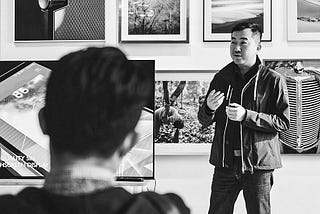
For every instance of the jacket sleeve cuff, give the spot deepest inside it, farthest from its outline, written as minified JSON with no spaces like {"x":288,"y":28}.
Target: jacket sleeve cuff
{"x":208,"y":110}
{"x":245,"y":116}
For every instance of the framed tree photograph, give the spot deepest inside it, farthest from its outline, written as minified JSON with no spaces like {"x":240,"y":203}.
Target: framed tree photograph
{"x":303,"y":84}
{"x":220,"y":16}
{"x":59,"y":20}
{"x":303,"y":20}
{"x":178,"y":96}
{"x":154,"y":21}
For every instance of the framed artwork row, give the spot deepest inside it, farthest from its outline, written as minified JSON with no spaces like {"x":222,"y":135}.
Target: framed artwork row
{"x":153,"y":21}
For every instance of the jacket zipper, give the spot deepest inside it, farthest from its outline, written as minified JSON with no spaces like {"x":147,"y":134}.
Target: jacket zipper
{"x":241,"y":141}
{"x":224,"y":141}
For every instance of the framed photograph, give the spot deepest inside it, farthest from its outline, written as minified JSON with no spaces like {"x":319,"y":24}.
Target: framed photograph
{"x":154,"y":21}
{"x":303,"y":20}
{"x":303,"y":84}
{"x":220,"y":16}
{"x":178,"y":96}
{"x":59,"y":20}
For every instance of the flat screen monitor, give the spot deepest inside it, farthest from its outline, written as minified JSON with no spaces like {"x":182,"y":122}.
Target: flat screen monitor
{"x":24,"y":149}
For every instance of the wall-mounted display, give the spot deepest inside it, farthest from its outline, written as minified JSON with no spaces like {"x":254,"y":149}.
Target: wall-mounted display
{"x":154,"y":21}
{"x":303,"y":84}
{"x":24,"y":149}
{"x":303,"y":20}
{"x":220,"y":16}
{"x":59,"y":20}
{"x":178,"y":96}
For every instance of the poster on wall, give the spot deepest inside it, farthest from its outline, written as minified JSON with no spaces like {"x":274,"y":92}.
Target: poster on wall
{"x":303,"y":20}
{"x":220,"y":16}
{"x":59,"y":20}
{"x":303,"y":84}
{"x":178,"y":96}
{"x":154,"y":21}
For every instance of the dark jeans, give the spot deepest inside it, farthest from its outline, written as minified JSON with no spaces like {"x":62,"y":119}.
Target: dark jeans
{"x":227,"y":184}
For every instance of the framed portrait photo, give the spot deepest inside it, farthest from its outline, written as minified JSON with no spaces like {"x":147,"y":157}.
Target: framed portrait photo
{"x":154,"y":21}
{"x":220,"y":16}
{"x":303,"y":85}
{"x":178,"y":96}
{"x":303,"y":20}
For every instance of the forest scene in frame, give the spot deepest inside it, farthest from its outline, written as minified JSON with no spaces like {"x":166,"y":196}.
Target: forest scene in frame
{"x":184,"y":99}
{"x":154,"y":17}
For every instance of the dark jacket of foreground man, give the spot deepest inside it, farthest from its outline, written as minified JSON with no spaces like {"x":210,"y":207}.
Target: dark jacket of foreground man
{"x":266,"y":101}
{"x":113,"y":200}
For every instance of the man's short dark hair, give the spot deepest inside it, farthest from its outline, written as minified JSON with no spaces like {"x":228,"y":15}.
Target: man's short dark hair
{"x":94,"y":99}
{"x":255,"y":28}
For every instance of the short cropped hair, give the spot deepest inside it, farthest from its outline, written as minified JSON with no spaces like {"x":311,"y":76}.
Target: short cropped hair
{"x":94,"y":98}
{"x":255,"y":28}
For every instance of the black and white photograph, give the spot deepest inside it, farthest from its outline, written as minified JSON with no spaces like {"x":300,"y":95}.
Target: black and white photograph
{"x":303,"y":20}
{"x":154,"y":21}
{"x":59,"y":20}
{"x":176,"y":108}
{"x":308,"y":16}
{"x":303,"y":84}
{"x":178,"y":97}
{"x":160,"y":106}
{"x":220,"y":16}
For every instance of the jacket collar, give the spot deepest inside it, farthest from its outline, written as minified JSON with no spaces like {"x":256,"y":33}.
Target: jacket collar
{"x":232,"y":70}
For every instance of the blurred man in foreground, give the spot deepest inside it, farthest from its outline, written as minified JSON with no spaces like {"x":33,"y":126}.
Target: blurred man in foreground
{"x":94,"y":100}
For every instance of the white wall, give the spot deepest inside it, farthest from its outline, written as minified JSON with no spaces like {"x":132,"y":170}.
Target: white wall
{"x":296,"y":188}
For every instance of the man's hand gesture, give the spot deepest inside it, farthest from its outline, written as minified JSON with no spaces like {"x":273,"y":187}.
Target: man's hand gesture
{"x":215,"y":99}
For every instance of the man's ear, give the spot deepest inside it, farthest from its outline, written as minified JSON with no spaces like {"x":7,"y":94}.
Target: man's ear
{"x":130,"y":140}
{"x":42,"y":121}
{"x":259,"y":46}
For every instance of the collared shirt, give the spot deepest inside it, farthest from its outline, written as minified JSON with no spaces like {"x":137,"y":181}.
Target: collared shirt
{"x":77,"y":179}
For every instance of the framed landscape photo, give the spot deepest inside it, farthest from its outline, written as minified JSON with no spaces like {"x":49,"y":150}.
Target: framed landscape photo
{"x":303,"y":20}
{"x":303,"y":84}
{"x":178,"y":96}
{"x":154,"y":21}
{"x":59,"y":20}
{"x":220,"y":16}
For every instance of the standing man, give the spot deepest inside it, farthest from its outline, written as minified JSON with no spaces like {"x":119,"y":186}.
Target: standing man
{"x":250,"y":105}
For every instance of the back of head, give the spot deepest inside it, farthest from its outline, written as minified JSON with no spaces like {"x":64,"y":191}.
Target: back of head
{"x":254,"y":27}
{"x":94,"y":99}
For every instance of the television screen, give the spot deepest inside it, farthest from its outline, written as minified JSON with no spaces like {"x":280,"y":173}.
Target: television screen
{"x":24,"y":149}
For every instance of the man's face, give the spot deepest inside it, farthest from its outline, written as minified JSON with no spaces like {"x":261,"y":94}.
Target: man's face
{"x":244,"y":47}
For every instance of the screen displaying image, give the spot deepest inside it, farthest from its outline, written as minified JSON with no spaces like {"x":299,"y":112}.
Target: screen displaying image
{"x":24,"y":149}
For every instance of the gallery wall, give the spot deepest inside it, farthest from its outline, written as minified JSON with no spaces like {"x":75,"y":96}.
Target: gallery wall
{"x":296,"y":188}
